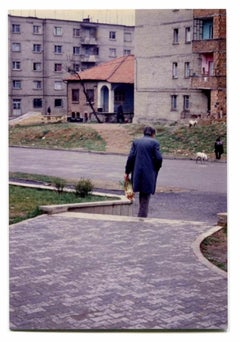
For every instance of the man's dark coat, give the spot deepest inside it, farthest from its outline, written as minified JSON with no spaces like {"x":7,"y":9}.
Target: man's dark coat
{"x":144,"y":162}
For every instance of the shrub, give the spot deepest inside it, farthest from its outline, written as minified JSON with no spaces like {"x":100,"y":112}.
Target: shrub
{"x":83,"y":187}
{"x":59,"y":184}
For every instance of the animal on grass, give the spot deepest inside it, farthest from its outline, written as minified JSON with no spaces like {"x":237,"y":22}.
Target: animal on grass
{"x":201,"y":156}
{"x":192,"y":123}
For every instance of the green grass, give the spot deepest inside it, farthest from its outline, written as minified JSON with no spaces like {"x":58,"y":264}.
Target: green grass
{"x":183,"y":141}
{"x":177,"y":140}
{"x":186,"y":141}
{"x":60,"y":135}
{"x":24,"y":202}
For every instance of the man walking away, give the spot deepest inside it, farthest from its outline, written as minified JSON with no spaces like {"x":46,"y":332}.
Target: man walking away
{"x":143,"y":163}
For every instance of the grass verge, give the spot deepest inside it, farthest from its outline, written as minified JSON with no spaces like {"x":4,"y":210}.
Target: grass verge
{"x":214,"y":248}
{"x":24,"y":202}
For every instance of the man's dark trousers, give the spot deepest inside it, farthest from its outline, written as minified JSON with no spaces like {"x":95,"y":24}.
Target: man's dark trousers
{"x":143,"y":204}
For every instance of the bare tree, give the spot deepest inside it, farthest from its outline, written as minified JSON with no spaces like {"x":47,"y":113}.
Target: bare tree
{"x":85,"y":93}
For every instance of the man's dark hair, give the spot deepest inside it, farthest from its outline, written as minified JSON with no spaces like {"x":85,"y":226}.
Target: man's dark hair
{"x":149,"y":131}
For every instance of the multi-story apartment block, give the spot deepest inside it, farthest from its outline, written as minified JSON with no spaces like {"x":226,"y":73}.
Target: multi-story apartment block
{"x":41,"y":51}
{"x":180,"y":64}
{"x":209,"y":45}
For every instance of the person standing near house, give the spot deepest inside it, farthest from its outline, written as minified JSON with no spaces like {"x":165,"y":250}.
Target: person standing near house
{"x":218,"y":148}
{"x":143,"y":163}
{"x":120,"y":116}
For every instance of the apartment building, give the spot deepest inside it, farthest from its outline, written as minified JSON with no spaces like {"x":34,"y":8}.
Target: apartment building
{"x":180,"y":64}
{"x":42,"y":51}
{"x":209,"y":46}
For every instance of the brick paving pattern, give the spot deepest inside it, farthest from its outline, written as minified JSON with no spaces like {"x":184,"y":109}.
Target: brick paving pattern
{"x":89,"y":272}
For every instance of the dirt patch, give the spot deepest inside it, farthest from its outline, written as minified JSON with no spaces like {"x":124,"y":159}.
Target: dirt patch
{"x":214,"y":248}
{"x":117,"y":138}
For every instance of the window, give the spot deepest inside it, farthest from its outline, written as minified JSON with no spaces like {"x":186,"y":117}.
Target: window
{"x":112,"y":35}
{"x":37,"y":85}
{"x":76,"y":50}
{"x":37,"y":29}
{"x":90,"y":95}
{"x":37,"y":48}
{"x":16,"y":47}
{"x":76,"y":32}
{"x":16,"y":65}
{"x":126,"y":52}
{"x":57,"y":67}
{"x":57,"y":31}
{"x":173,"y":102}
{"x":203,"y":29}
{"x":58,"y":103}
{"x":57,"y":49}
{"x":187,"y":34}
{"x":207,"y":29}
{"x":17,"y":84}
{"x":16,"y":104}
{"x":211,"y":68}
{"x":186,"y":69}
{"x":112,"y":53}
{"x":175,"y":70}
{"x":58,"y":85}
{"x":16,"y":28}
{"x":127,"y":37}
{"x":37,"y":66}
{"x":75,"y":95}
{"x":76,"y":67}
{"x":119,"y":95}
{"x":186,"y":102}
{"x":37,"y":103}
{"x":175,"y":36}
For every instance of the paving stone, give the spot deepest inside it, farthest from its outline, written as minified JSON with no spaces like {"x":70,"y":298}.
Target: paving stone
{"x":95,"y":272}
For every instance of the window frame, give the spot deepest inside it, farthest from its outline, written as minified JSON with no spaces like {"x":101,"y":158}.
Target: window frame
{"x":186,"y":69}
{"x":176,"y":36}
{"x":16,"y":65}
{"x":37,"y":102}
{"x":112,"y":52}
{"x":174,"y":70}
{"x":112,"y":35}
{"x":37,"y":48}
{"x":76,"y":50}
{"x":16,"y":28}
{"x":75,"y":95}
{"x":186,"y":102}
{"x":16,"y":84}
{"x":56,"y":66}
{"x":35,"y":64}
{"x":57,"y":31}
{"x":174,"y":102}
{"x":37,"y":85}
{"x":188,"y":32}
{"x":58,"y":49}
{"x":16,"y":47}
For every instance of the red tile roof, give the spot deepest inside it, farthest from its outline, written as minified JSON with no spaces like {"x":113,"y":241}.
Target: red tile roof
{"x":118,"y":70}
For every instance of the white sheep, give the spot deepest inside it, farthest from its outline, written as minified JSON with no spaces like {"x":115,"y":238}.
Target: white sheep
{"x":201,"y":156}
{"x":192,"y":123}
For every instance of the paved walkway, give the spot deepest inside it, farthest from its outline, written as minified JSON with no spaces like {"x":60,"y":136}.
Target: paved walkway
{"x":74,"y":271}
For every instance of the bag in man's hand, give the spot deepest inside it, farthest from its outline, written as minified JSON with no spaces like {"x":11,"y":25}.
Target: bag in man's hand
{"x":128,"y":189}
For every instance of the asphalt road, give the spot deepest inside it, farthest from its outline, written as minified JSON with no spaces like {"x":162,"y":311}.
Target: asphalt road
{"x":182,"y":174}
{"x":187,"y":191}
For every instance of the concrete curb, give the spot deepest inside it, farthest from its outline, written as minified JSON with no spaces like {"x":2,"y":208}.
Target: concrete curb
{"x":196,"y":248}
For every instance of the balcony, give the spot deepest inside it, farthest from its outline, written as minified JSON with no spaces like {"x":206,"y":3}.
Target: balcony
{"x":88,"y":41}
{"x":204,"y":46}
{"x":89,"y":58}
{"x":208,"y":82}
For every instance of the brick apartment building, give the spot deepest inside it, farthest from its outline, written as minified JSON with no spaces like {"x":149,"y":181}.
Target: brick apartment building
{"x":180,"y":64}
{"x":42,"y":50}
